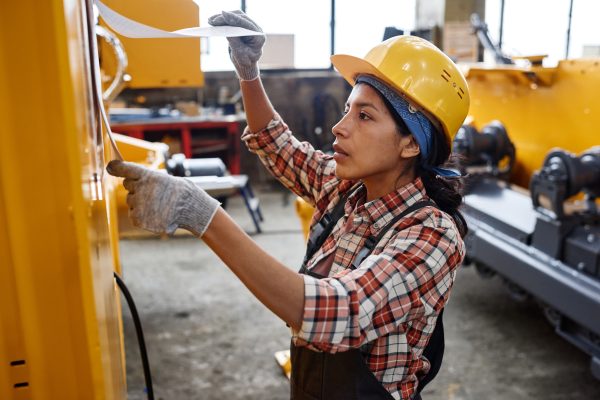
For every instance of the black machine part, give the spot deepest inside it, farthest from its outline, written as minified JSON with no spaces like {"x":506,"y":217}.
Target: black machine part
{"x":564,"y":175}
{"x":483,"y":34}
{"x":545,"y":253}
{"x":582,"y":249}
{"x":179,"y":165}
{"x":487,"y":148}
{"x":556,"y":261}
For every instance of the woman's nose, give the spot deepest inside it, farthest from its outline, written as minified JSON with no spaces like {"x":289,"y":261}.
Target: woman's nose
{"x":340,"y":129}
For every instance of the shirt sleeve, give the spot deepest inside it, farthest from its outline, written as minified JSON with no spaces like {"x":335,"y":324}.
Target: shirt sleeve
{"x":297,"y":165}
{"x":408,"y":280}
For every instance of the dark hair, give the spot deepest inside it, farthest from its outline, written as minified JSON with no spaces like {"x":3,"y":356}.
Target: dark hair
{"x":446,"y":192}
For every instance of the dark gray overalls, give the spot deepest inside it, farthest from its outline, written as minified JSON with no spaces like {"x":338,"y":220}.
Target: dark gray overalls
{"x":346,"y":375}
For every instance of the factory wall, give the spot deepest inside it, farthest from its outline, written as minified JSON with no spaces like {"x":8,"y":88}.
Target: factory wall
{"x":305,"y":100}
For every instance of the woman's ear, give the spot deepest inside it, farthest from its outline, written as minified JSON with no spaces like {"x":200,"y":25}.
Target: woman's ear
{"x":410,"y":147}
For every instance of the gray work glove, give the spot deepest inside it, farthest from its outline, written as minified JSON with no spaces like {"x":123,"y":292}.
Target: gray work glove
{"x":162,"y":203}
{"x":245,"y":51}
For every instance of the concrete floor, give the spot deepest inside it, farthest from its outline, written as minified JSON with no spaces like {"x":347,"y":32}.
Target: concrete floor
{"x":208,"y":338}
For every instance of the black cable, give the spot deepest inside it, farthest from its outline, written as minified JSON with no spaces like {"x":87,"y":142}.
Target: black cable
{"x":140,"y":335}
{"x":569,"y":30}
{"x":501,"y":25}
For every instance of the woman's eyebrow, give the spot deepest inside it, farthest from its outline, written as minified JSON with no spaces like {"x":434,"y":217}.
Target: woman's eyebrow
{"x":362,"y":104}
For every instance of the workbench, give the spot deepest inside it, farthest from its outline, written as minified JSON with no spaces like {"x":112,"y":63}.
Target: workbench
{"x":196,"y":137}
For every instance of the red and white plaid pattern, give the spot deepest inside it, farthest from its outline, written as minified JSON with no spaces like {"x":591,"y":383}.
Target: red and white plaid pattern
{"x":394,"y":297}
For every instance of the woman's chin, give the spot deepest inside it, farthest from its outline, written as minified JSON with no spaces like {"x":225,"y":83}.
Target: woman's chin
{"x":342,"y":173}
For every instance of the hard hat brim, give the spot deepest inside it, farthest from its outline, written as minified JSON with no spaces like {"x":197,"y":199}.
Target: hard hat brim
{"x":350,"y":67}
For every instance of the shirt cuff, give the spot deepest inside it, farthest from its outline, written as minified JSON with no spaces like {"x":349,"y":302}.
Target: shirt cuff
{"x":326,"y":312}
{"x":269,"y":139}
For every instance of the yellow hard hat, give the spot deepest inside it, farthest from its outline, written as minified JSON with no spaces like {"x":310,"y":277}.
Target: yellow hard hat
{"x":418,"y":71}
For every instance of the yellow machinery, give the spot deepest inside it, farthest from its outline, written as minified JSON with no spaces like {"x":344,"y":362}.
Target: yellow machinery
{"x":535,"y":219}
{"x":156,"y":63}
{"x":540,"y":107}
{"x":60,"y":333}
{"x":305,"y":212}
{"x":60,"y":320}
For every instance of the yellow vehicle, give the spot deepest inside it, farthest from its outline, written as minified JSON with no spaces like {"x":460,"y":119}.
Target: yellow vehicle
{"x":532,"y":151}
{"x":60,"y":321}
{"x":540,"y":108}
{"x":60,"y":318}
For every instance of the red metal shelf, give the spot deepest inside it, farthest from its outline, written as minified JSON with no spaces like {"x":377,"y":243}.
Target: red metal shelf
{"x":197,"y":138}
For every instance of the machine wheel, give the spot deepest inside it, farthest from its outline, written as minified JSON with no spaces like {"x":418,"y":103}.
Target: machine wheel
{"x":516,"y":292}
{"x":484,"y":271}
{"x":552,"y":316}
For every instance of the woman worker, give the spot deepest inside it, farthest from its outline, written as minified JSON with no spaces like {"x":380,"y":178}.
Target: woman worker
{"x":386,"y":236}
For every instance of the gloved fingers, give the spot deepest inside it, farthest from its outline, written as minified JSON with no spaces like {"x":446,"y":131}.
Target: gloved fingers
{"x":130,"y":184}
{"x":131,"y":201}
{"x":255,"y":42}
{"x":125,"y":169}
{"x":240,"y":19}
{"x":171,"y":228}
{"x":234,"y":43}
{"x":243,"y":42}
{"x":137,"y":218}
{"x":246,"y":17}
{"x":217,"y":20}
{"x":141,"y":221}
{"x":134,"y":216}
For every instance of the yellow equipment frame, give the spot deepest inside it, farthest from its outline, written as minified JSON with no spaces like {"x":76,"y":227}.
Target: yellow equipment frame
{"x":60,"y":333}
{"x":540,"y":107}
{"x":158,"y":63}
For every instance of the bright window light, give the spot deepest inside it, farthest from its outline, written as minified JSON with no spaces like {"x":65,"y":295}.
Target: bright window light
{"x":534,"y":27}
{"x":360,"y":24}
{"x":307,"y":20}
{"x":214,"y":54}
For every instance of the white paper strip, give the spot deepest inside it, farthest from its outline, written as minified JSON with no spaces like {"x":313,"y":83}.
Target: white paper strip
{"x":133,"y":29}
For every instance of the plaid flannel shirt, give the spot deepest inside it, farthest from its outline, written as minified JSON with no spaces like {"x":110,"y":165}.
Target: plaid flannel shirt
{"x":393,"y":298}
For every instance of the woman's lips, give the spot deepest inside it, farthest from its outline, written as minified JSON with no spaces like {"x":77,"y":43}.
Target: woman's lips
{"x":340,"y":153}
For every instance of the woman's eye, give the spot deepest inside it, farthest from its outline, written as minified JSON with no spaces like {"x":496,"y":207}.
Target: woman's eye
{"x":363,"y":116}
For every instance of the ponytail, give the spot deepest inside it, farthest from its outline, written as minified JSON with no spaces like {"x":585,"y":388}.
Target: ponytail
{"x":447,"y":194}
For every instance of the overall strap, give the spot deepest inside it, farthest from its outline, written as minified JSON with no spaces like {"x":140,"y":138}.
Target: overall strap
{"x":371,"y":242}
{"x":323,"y":228}
{"x":434,"y":352}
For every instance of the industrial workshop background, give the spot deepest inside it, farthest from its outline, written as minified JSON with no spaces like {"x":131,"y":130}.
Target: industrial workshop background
{"x":529,"y":145}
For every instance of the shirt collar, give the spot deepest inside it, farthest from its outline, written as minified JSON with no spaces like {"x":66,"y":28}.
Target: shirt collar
{"x":380,"y":211}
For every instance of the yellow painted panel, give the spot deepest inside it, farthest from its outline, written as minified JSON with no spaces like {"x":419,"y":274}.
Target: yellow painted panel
{"x":12,"y":350}
{"x":159,"y":62}
{"x":58,"y":299}
{"x":542,"y":108}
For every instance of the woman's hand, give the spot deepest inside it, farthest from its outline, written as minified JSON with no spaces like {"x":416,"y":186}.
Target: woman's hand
{"x":162,"y":203}
{"x":245,"y":51}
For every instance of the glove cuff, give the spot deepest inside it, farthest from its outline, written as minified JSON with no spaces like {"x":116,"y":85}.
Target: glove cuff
{"x":198,"y":213}
{"x":247,"y":73}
